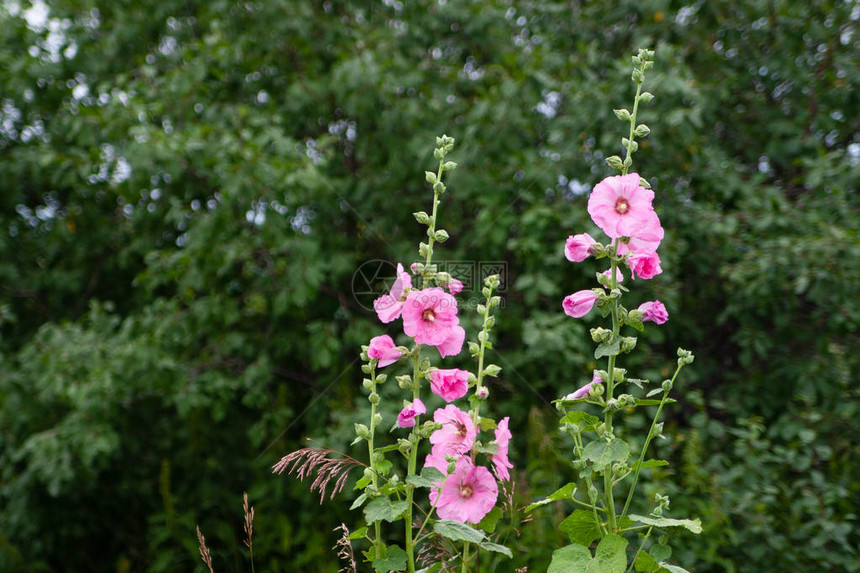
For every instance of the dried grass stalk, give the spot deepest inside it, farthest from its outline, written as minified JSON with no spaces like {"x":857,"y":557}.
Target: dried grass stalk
{"x":304,"y":462}
{"x":344,"y":551}
{"x":204,"y":551}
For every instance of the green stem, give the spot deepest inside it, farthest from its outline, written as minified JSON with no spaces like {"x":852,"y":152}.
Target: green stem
{"x":647,"y":443}
{"x":432,"y":228}
{"x":466,"y":548}
{"x":413,"y":460}
{"x":624,"y":166}
{"x":377,"y":543}
{"x":641,"y":545}
{"x":610,"y":391}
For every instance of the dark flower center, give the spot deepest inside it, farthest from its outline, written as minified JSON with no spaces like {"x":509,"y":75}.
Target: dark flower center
{"x":429,"y":315}
{"x":461,"y":429}
{"x":622,"y":205}
{"x":466,"y":491}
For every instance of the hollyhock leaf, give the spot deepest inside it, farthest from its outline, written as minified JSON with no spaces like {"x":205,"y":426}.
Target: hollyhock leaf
{"x":650,"y":464}
{"x":651,"y":402}
{"x":694,"y":525}
{"x":610,"y":556}
{"x":487,"y":424}
{"x":608,"y":349}
{"x":585,"y":422}
{"x":488,"y":523}
{"x":565,"y":492}
{"x":570,"y":558}
{"x":429,"y":477}
{"x":382,"y":508}
{"x":394,"y":560}
{"x":358,"y":501}
{"x":645,"y":563}
{"x":495,"y":547}
{"x":581,"y":527}
{"x":603,"y":453}
{"x":660,"y":552}
{"x":358,"y":533}
{"x":672,"y":568}
{"x":456,"y":531}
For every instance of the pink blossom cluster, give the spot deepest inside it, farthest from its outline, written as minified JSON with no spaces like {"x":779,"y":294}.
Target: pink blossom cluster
{"x":471,"y":491}
{"x":623,"y":209}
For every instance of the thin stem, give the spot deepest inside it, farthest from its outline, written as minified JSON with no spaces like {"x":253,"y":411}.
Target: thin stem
{"x":630,"y":137}
{"x":647,"y":443}
{"x":374,"y":478}
{"x":641,"y":545}
{"x":432,"y":228}
{"x":413,"y":459}
{"x":610,"y":391}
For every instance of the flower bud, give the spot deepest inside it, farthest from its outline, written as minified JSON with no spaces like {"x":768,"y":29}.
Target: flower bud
{"x":449,"y":166}
{"x":667,"y":385}
{"x":381,"y":378}
{"x":404,"y":446}
{"x":361,"y":431}
{"x":642,"y":130}
{"x":441,"y":236}
{"x":622,"y":114}
{"x":614,"y":162}
{"x":646,"y":97}
{"x":404,"y":382}
{"x":430,"y":177}
{"x":373,"y":398}
{"x":482,"y":393}
{"x":628,"y":343}
{"x":367,"y":383}
{"x":422,"y":217}
{"x":377,"y":419}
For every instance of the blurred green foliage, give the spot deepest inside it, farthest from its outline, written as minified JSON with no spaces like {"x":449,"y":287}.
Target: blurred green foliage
{"x":187,"y":189}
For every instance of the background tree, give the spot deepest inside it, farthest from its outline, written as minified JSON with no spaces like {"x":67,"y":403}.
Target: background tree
{"x":187,"y":189}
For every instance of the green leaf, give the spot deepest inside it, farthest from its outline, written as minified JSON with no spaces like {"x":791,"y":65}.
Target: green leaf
{"x":694,"y":525}
{"x":603,"y":453}
{"x":583,"y":421}
{"x":358,"y":501}
{"x":456,"y":531}
{"x":650,"y":464}
{"x":607,"y":349}
{"x":382,"y":508}
{"x":570,"y":559}
{"x":660,"y":552}
{"x":394,"y":560}
{"x":647,"y":402}
{"x":645,"y":563}
{"x":611,"y":555}
{"x":672,"y":568}
{"x":428,"y":477}
{"x":495,"y":547}
{"x":565,"y":492}
{"x":488,"y":523}
{"x":358,"y":533}
{"x":581,"y":527}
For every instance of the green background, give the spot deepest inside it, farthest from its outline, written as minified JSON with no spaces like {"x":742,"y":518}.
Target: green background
{"x":187,"y":189}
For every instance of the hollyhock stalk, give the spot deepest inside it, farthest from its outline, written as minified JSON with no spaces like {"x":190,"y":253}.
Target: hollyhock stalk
{"x":374,"y":480}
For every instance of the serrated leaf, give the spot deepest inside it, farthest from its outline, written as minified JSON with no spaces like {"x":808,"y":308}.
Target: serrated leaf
{"x":565,"y":492}
{"x":607,"y":349}
{"x":569,"y":559}
{"x":394,"y":560}
{"x":358,"y":501}
{"x":429,"y":476}
{"x":488,"y":523}
{"x":358,"y":533}
{"x":603,"y":453}
{"x":456,"y":531}
{"x":581,"y":527}
{"x":610,"y":556}
{"x":694,"y":525}
{"x":382,"y":508}
{"x":495,"y":547}
{"x":583,"y":421}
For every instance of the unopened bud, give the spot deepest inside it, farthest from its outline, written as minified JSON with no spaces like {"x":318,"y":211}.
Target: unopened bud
{"x":373,"y":398}
{"x":482,"y":393}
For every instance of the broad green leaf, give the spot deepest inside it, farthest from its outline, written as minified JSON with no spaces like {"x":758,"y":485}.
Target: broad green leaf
{"x":428,"y":477}
{"x":570,"y":559}
{"x":394,"y":560}
{"x":358,"y":533}
{"x":610,"y":556}
{"x":694,"y":525}
{"x":645,"y":563}
{"x":611,"y":349}
{"x":495,"y":547}
{"x":581,"y":527}
{"x":660,"y":552}
{"x":565,"y":492}
{"x":583,"y":421}
{"x":603,"y":453}
{"x":488,"y":523}
{"x":650,"y":464}
{"x":382,"y":508}
{"x":456,"y":531}
{"x":358,"y":501}
{"x":672,"y":568}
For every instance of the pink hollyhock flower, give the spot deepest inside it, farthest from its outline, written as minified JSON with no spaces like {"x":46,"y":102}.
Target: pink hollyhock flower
{"x":449,"y":384}
{"x":619,"y":277}
{"x":452,"y":345}
{"x":406,"y":417}
{"x":382,"y":348}
{"x":579,"y":303}
{"x":654,"y":311}
{"x":644,"y":265}
{"x":455,"y":286}
{"x":429,"y":316}
{"x":436,"y":460}
{"x":500,"y":458}
{"x":578,"y":247}
{"x":457,"y":434}
{"x":468,"y":495}
{"x":585,"y":390}
{"x":389,"y":306}
{"x":620,"y":207}
{"x":646,"y":240}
